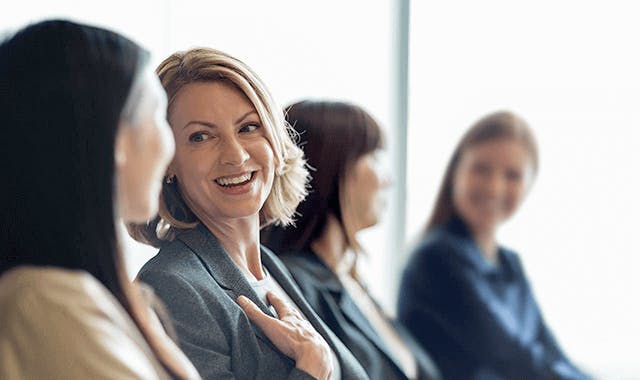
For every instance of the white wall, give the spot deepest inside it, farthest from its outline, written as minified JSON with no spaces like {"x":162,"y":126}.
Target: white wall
{"x":572,"y":69}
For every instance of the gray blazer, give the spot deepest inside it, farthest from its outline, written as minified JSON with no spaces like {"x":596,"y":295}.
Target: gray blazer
{"x":200,"y":283}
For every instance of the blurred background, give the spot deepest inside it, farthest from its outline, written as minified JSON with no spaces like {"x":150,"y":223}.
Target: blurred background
{"x":427,"y":70}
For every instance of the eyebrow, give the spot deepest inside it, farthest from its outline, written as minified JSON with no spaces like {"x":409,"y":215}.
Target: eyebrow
{"x":213,"y":126}
{"x":240,"y":119}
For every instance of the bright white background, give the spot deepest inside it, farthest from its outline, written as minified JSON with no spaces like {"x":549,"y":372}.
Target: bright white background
{"x":572,"y":69}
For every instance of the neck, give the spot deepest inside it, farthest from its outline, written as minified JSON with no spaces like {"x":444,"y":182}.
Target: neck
{"x":240,"y":237}
{"x":333,"y":249}
{"x":486,"y":239}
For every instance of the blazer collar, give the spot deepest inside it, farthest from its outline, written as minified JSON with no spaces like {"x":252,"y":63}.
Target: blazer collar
{"x":220,"y":265}
{"x":225,"y":272}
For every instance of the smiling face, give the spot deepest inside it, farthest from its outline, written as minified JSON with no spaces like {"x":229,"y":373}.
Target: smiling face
{"x":490,"y":182}
{"x":224,"y":164}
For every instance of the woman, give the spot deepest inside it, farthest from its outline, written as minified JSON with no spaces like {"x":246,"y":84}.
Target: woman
{"x":236,"y":169}
{"x":463,"y":296}
{"x":342,"y":143}
{"x":84,"y":143}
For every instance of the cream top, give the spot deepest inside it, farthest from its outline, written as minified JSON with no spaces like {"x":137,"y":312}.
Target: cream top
{"x":64,"y":324}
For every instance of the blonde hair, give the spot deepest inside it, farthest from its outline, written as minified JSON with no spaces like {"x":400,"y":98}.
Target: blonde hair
{"x":291,"y":176}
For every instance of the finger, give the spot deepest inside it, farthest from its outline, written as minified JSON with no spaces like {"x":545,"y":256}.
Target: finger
{"x":282,"y":307}
{"x":253,"y":312}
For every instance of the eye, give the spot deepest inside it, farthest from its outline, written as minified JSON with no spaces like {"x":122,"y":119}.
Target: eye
{"x":513,"y":175}
{"x":249,"y":127}
{"x":481,"y":169}
{"x":199,"y":137}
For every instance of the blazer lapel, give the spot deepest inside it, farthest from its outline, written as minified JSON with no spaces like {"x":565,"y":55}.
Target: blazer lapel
{"x":223,"y":270}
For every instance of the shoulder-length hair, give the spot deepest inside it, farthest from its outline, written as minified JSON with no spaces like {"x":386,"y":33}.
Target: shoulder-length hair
{"x":497,"y":125}
{"x":333,"y":136}
{"x":63,"y":89}
{"x":291,"y":175}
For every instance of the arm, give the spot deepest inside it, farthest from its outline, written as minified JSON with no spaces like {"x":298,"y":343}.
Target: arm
{"x":438,"y":289}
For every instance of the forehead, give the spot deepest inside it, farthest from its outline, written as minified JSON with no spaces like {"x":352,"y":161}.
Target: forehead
{"x":210,"y":100}
{"x":500,"y":151}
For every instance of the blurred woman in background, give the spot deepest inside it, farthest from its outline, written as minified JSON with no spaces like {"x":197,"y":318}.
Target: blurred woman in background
{"x":342,"y":144}
{"x":465,"y":298}
{"x":84,"y":143}
{"x":238,"y":313}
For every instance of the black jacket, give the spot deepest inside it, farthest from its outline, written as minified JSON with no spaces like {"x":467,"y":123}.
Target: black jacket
{"x":326,"y":295}
{"x":478,"y":320}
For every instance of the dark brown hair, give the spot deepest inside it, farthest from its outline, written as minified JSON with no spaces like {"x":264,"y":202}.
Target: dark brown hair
{"x":497,"y":125}
{"x":333,"y":135}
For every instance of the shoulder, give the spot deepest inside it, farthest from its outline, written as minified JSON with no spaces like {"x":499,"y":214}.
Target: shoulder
{"x":311,"y":274}
{"x":305,"y":263}
{"x":174,"y":263}
{"x":43,"y":309}
{"x":45,"y":288}
{"x":439,"y":246}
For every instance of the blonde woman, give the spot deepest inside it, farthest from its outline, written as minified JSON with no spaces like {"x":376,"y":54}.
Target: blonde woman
{"x":237,"y":311}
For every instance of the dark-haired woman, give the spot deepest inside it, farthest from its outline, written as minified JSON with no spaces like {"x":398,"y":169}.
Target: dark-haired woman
{"x":84,"y":143}
{"x":465,"y":297}
{"x":342,"y":143}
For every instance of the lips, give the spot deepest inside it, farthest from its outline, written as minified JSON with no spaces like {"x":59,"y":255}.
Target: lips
{"x":235,"y":180}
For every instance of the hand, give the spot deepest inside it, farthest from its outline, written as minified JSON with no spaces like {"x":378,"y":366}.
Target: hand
{"x":293,"y":335}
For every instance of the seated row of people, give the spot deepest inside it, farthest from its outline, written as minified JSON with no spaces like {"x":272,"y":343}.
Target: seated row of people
{"x":87,"y":144}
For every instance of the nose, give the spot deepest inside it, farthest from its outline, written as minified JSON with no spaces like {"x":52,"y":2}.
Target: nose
{"x":496,"y":185}
{"x":233,"y":152}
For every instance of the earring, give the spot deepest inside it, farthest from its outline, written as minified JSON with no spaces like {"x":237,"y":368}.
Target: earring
{"x":169,"y":180}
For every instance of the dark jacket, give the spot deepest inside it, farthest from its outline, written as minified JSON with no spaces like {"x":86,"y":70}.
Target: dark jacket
{"x":478,"y":320}
{"x":199,"y":283}
{"x":326,"y":294}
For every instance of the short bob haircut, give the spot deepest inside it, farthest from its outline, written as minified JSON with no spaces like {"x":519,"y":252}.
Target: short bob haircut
{"x":497,"y":125}
{"x":291,"y":176}
{"x":333,"y":136}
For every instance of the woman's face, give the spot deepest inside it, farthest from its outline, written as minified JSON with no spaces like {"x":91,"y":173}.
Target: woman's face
{"x":144,"y":148}
{"x":490,"y":182}
{"x":224,"y":163}
{"x":365,"y":199}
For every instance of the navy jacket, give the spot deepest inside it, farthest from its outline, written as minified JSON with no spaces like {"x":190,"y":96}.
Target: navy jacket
{"x":479,"y":321}
{"x":330,"y":300}
{"x":199,"y":283}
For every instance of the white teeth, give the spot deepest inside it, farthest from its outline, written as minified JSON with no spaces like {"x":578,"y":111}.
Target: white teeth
{"x":227,"y":181}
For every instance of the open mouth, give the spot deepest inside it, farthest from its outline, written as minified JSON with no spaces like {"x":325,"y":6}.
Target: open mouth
{"x":236,"y":180}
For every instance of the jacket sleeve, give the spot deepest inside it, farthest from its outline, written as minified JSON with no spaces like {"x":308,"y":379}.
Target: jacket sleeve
{"x":440,"y":291}
{"x":200,"y":333}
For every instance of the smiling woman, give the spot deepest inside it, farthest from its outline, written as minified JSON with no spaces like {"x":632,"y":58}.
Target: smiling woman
{"x":464,"y":297}
{"x":237,"y":311}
